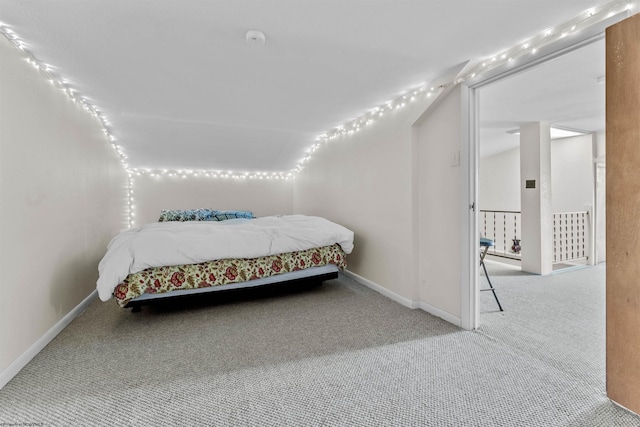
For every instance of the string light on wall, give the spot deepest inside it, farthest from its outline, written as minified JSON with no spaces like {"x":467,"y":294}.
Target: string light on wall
{"x":368,"y":119}
{"x":202,"y":173}
{"x":532,"y":46}
{"x":507,"y":57}
{"x":48,"y":72}
{"x":131,"y":208}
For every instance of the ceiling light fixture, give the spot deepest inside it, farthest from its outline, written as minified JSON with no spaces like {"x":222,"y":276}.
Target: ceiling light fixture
{"x":255,"y":37}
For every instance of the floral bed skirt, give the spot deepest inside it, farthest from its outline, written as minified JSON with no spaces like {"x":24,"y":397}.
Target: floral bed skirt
{"x":223,"y":272}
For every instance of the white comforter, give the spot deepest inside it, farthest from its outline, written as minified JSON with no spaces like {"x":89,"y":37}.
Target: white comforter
{"x":175,"y":243}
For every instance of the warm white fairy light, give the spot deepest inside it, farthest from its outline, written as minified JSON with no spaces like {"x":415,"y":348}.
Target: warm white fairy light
{"x":370,"y":118}
{"x":131,"y":213}
{"x":507,"y":57}
{"x":528,"y":47}
{"x":220,"y":174}
{"x":48,"y":72}
{"x":64,"y":85}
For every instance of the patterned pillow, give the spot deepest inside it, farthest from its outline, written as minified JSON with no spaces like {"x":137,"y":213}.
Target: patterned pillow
{"x":201,"y":215}
{"x":222,"y":215}
{"x":187,"y":215}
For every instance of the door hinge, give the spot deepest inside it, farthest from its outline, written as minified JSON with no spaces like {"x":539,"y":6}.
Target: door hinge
{"x":472,"y":206}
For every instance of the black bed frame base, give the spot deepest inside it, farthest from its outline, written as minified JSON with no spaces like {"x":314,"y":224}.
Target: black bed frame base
{"x":179,"y":296}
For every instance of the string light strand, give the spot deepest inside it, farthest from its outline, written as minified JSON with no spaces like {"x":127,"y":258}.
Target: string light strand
{"x":530,"y":46}
{"x":48,"y":72}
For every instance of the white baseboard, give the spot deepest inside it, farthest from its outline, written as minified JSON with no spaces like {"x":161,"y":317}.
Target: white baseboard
{"x":384,"y":291}
{"x":444,"y":315}
{"x":406,"y":301}
{"x":12,"y":370}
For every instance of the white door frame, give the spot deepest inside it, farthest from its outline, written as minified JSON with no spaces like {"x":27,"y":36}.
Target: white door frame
{"x":469,"y":156}
{"x":470,"y":311}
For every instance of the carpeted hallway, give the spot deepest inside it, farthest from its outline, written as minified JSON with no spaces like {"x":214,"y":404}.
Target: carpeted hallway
{"x":337,"y":355}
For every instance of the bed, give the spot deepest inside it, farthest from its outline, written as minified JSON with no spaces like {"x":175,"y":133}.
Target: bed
{"x":178,"y":258}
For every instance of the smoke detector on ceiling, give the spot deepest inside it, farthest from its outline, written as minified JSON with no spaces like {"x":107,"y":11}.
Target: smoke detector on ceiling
{"x":255,"y":37}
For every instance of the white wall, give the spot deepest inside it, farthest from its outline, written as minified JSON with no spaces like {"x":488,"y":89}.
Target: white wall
{"x":438,"y":137}
{"x":572,"y":177}
{"x":364,"y":181}
{"x":599,"y":146}
{"x":499,"y":181}
{"x":262,"y":197}
{"x":393,"y":184}
{"x":63,"y":198}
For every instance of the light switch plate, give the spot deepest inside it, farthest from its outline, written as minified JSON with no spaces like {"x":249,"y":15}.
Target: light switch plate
{"x":455,"y":158}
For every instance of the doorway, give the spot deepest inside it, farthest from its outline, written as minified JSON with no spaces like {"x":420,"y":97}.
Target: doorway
{"x":471,"y":95}
{"x":568,"y":93}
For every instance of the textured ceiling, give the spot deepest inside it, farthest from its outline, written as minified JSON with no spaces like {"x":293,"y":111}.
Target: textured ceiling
{"x":182,"y":89}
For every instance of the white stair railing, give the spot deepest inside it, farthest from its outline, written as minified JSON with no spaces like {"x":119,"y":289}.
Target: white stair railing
{"x":570,"y":236}
{"x":503,"y":227}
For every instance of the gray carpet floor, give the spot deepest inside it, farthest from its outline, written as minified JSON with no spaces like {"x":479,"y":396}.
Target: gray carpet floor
{"x":335,"y":355}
